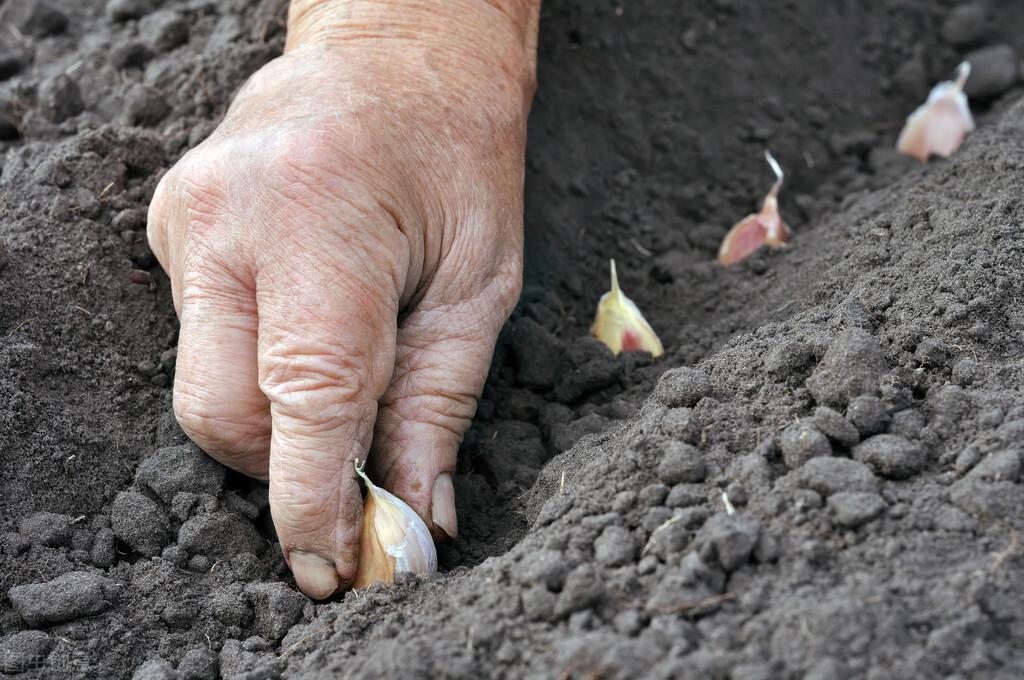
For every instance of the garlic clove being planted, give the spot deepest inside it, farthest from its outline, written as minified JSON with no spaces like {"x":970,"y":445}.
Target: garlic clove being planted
{"x":394,"y":538}
{"x":764,"y":228}
{"x":939,"y":126}
{"x":620,"y":325}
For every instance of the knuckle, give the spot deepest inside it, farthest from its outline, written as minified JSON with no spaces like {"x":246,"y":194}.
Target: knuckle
{"x":219,"y":428}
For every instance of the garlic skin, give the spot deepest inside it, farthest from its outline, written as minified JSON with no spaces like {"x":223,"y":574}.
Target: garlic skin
{"x":621,"y":326}
{"x":394,"y":539}
{"x":939,"y":126}
{"x":764,"y":228}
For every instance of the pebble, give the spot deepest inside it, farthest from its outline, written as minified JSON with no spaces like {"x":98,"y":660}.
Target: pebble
{"x":24,"y":651}
{"x":46,"y":528}
{"x":683,"y":386}
{"x":853,"y":508}
{"x":891,"y":456}
{"x":801,"y":442}
{"x":868,"y":414}
{"x":277,"y":608}
{"x":35,"y":18}
{"x":140,"y":522}
{"x":965,"y":25}
{"x":681,"y":463}
{"x":853,"y":365}
{"x":229,"y":608}
{"x":65,"y":598}
{"x":835,"y":426}
{"x":827,"y":475}
{"x":615,"y":547}
{"x":180,"y":468}
{"x":220,"y":535}
{"x":59,"y":98}
{"x":994,"y":70}
{"x":685,"y":495}
{"x":653,"y":495}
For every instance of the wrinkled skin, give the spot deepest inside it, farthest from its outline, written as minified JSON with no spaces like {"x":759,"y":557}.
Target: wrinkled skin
{"x":343,"y":252}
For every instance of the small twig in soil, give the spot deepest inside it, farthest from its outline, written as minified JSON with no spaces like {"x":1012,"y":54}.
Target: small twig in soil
{"x":703,"y":602}
{"x":1005,"y":553}
{"x":103,"y":193}
{"x":19,"y":326}
{"x":650,"y":541}
{"x":729,"y":509}
{"x":561,"y":487}
{"x":639,"y":248}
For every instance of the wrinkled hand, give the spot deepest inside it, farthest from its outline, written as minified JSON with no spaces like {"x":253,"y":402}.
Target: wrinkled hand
{"x":343,"y":252}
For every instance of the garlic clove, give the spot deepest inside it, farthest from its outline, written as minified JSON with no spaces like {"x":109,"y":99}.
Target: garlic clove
{"x":621,"y":326}
{"x":764,"y":228}
{"x":394,"y":538}
{"x":939,"y":126}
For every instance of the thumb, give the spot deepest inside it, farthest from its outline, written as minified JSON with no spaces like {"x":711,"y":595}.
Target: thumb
{"x":443,"y":356}
{"x":326,"y":352}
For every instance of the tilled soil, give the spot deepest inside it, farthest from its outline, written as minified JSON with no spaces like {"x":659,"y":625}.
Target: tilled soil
{"x":820,"y":479}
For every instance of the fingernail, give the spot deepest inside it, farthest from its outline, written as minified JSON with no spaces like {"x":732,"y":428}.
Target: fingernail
{"x":315,"y":576}
{"x":442,"y":505}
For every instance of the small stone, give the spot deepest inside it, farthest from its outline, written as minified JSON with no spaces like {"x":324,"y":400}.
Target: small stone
{"x":835,"y":426}
{"x":174,"y":555}
{"x":801,"y":442}
{"x":35,"y":18}
{"x":220,"y":535}
{"x":994,"y":70}
{"x":853,"y":508}
{"x":140,"y":522}
{"x":615,"y":547}
{"x":46,"y":528}
{"x":229,"y":608}
{"x":681,"y":463}
{"x":966,"y":25}
{"x":65,"y":598}
{"x":868,"y":414}
{"x":277,"y":608}
{"x":683,"y":386}
{"x":25,"y":651}
{"x":827,"y":475}
{"x":179,"y":615}
{"x":653,"y":495}
{"x":180,"y":468}
{"x":891,"y":456}
{"x":59,"y":98}
{"x":853,"y":365}
{"x":199,"y":564}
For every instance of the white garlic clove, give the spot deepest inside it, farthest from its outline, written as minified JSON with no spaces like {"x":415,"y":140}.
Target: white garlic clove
{"x":621,"y":326}
{"x":939,"y":126}
{"x":764,"y":228}
{"x":394,"y":539}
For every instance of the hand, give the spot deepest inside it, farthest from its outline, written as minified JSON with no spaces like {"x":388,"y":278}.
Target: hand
{"x":343,"y":252}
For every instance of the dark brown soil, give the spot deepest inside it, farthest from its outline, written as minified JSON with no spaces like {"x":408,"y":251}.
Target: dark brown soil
{"x":855,"y":397}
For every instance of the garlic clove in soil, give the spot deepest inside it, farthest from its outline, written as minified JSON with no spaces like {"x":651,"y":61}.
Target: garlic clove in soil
{"x":394,"y":538}
{"x":620,"y":325}
{"x":764,"y":228}
{"x":938,"y":127}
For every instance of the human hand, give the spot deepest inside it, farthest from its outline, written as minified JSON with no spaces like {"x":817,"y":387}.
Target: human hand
{"x":343,"y":251}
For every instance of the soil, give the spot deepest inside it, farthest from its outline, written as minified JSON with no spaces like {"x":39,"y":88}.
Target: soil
{"x":820,"y":479}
